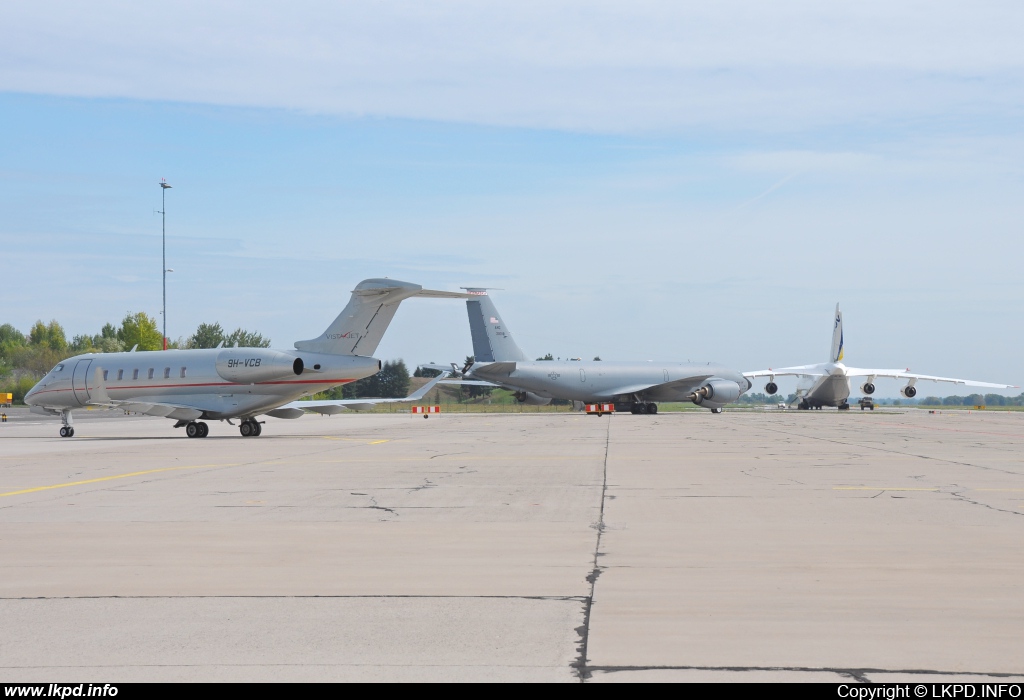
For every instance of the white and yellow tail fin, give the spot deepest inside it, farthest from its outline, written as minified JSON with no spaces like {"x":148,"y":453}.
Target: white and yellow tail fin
{"x":837,"y":338}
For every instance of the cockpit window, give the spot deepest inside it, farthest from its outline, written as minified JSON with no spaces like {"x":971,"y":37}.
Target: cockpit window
{"x":59,"y":367}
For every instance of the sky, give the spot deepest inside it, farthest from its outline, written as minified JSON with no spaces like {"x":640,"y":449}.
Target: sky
{"x":643,"y":180}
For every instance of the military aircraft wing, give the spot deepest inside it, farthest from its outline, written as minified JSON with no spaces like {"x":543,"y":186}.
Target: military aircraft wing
{"x":907,"y":374}
{"x":492,"y":371}
{"x":295,"y":409}
{"x":675,"y":390}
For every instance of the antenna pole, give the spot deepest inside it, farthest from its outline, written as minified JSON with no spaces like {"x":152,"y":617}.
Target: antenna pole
{"x":163,"y":237}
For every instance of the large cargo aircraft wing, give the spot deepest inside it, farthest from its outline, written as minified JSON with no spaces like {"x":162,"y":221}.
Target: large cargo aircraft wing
{"x":296,"y":409}
{"x":907,"y":374}
{"x":799,"y":371}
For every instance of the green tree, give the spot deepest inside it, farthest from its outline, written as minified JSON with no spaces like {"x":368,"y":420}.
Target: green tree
{"x":597,"y":359}
{"x":10,"y":340}
{"x":208,"y":335}
{"x":246,"y":339}
{"x":549,"y":356}
{"x":392,"y":382}
{"x":426,"y":372}
{"x":49,"y":336}
{"x":139,"y":329}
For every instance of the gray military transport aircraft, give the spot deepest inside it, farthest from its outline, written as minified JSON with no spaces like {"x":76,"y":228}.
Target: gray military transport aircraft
{"x":635,"y":386}
{"x":828,"y":383}
{"x":189,"y":386}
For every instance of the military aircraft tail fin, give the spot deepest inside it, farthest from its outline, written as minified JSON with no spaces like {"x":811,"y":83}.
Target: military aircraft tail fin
{"x":360,"y":326}
{"x":491,"y":340}
{"x":837,"y":338}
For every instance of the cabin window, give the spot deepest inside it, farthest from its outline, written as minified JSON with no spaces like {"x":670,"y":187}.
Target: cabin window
{"x":135,"y":374}
{"x":120,"y":374}
{"x":182,"y":372}
{"x":104,"y":375}
{"x":167,"y":372}
{"x":150,"y":373}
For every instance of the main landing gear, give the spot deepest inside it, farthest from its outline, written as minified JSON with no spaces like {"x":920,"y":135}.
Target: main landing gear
{"x":250,"y":428}
{"x":643,"y":409}
{"x":197,"y":430}
{"x":67,"y":432}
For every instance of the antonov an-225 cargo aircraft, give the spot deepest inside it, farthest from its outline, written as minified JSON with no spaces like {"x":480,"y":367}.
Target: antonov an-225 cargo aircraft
{"x":189,"y":386}
{"x":828,"y":383}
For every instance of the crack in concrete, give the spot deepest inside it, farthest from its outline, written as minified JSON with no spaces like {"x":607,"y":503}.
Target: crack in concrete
{"x":860,"y":675}
{"x":556,"y":598}
{"x":582,"y":670}
{"x":890,"y":451}
{"x":373,"y":506}
{"x":960,"y":497}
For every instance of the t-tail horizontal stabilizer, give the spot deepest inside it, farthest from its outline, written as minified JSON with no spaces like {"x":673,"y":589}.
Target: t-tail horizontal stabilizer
{"x":359,"y":327}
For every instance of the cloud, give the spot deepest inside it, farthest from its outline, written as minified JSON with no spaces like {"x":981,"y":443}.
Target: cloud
{"x":595,"y":66}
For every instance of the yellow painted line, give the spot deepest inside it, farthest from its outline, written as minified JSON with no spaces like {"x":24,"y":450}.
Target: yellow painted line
{"x":111,"y":478}
{"x":377,"y":442}
{"x":876,"y":488}
{"x":373,"y":442}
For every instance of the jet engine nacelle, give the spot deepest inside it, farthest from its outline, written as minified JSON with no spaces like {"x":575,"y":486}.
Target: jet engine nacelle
{"x":868,"y":388}
{"x":770,"y":388}
{"x":908,"y":391}
{"x":252,"y":365}
{"x":531,"y":399}
{"x":716,"y":391}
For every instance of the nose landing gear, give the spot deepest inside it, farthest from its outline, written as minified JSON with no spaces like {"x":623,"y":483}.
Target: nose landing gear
{"x":67,"y":430}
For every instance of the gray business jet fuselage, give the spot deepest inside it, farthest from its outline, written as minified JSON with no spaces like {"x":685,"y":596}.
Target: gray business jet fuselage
{"x":187,"y":385}
{"x":224,"y":383}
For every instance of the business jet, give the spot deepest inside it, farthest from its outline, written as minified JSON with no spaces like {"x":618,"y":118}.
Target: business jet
{"x":637,"y":386}
{"x":190,"y":386}
{"x":828,"y":383}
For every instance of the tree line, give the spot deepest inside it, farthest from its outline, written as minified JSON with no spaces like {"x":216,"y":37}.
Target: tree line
{"x":26,"y":357}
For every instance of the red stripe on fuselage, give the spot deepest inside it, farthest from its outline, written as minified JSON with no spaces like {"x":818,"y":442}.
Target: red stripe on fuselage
{"x":224,"y":384}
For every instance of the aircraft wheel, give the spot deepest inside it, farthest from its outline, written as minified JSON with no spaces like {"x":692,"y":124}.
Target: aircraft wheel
{"x":641,"y":408}
{"x":257,"y":429}
{"x":63,"y":432}
{"x":716,"y":410}
{"x":245,"y":428}
{"x":192,"y":430}
{"x":652,"y":408}
{"x":204,"y":429}
{"x":71,"y":432}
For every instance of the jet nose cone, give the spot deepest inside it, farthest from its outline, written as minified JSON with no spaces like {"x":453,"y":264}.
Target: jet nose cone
{"x":30,"y":396}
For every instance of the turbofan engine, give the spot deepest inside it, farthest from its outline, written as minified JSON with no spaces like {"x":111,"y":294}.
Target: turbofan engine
{"x":868,"y":388}
{"x":908,"y":391}
{"x":716,"y":391}
{"x":252,"y":365}
{"x":770,"y":388}
{"x":531,"y":399}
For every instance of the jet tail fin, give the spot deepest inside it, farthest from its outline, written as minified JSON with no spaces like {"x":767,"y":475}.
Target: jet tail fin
{"x":491,"y":340}
{"x":837,"y":338}
{"x":360,"y":326}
